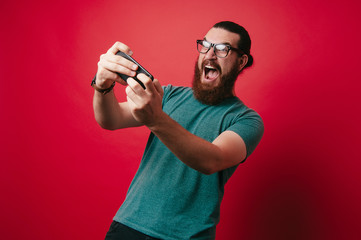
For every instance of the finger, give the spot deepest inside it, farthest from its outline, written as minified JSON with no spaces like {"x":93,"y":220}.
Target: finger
{"x":119,"y":60}
{"x":135,"y":86}
{"x":115,"y":67}
{"x":104,"y":75}
{"x":131,"y":103}
{"x":146,"y":81}
{"x":129,"y":91}
{"x":158,"y":87}
{"x":118,"y":46}
{"x":131,"y":95}
{"x":123,"y":61}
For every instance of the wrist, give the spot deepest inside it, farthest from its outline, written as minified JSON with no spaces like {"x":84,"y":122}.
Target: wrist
{"x":99,"y":89}
{"x":160,"y":124}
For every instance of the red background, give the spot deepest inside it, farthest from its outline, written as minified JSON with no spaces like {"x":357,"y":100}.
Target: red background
{"x":63,"y":177}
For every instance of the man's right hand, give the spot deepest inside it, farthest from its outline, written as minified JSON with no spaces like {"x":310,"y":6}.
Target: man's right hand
{"x":110,"y":63}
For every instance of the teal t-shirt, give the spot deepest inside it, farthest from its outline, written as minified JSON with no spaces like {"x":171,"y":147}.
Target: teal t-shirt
{"x":169,"y":200}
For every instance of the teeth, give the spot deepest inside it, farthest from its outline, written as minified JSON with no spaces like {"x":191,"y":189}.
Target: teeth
{"x":210,"y":67}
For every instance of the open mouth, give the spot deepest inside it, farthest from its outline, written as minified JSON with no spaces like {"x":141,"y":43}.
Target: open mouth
{"x":210,"y":72}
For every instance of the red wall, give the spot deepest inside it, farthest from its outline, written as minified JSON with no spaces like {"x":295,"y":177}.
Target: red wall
{"x":63,"y":177}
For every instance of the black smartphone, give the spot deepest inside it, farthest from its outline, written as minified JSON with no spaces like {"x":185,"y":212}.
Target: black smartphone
{"x":139,"y":70}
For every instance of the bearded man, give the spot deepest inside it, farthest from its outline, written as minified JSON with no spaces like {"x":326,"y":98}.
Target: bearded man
{"x":198,"y":137}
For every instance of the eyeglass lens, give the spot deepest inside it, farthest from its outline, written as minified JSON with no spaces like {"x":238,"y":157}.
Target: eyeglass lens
{"x":221,"y":50}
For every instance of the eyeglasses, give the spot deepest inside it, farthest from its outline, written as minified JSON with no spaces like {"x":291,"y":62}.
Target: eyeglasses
{"x":221,"y":50}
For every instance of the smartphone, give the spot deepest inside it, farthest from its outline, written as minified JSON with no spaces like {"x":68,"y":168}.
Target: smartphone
{"x":139,"y":70}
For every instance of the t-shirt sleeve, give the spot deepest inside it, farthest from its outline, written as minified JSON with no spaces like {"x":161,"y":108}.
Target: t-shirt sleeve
{"x":166,"y":93}
{"x":250,"y":128}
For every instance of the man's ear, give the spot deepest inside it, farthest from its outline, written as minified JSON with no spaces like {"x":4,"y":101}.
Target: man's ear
{"x":243,"y":62}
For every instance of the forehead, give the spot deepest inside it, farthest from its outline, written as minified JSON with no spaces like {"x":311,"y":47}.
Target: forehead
{"x":219,"y":35}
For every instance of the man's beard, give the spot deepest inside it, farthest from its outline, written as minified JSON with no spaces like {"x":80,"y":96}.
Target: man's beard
{"x":214,"y":95}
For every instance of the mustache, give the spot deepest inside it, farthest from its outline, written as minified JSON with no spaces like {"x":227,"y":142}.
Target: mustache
{"x":212,"y":63}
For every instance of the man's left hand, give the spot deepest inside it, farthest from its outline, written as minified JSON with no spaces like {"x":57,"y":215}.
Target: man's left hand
{"x":145,"y":104}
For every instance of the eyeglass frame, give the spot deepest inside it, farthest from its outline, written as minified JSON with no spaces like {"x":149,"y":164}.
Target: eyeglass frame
{"x":213,"y":45}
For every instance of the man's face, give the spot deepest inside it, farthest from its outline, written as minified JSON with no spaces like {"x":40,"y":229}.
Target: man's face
{"x":214,"y":77}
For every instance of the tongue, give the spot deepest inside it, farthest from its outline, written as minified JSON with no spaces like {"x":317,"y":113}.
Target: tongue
{"x":212,"y":74}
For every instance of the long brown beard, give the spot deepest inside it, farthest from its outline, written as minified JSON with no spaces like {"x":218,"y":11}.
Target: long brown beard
{"x":215,"y":95}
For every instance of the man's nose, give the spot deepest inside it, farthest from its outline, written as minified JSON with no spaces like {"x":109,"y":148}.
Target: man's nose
{"x":210,"y":54}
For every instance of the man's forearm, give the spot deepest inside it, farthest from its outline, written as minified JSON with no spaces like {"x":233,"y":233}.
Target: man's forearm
{"x":194,"y":151}
{"x":106,"y":109}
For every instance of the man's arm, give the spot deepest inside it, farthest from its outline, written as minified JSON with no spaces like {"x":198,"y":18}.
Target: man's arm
{"x":227,"y":150}
{"x":109,"y":113}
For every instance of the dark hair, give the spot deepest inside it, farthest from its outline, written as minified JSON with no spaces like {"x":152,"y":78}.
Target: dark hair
{"x":245,"y":41}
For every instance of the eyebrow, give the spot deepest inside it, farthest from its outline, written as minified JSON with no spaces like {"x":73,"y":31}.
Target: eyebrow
{"x":226,"y":43}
